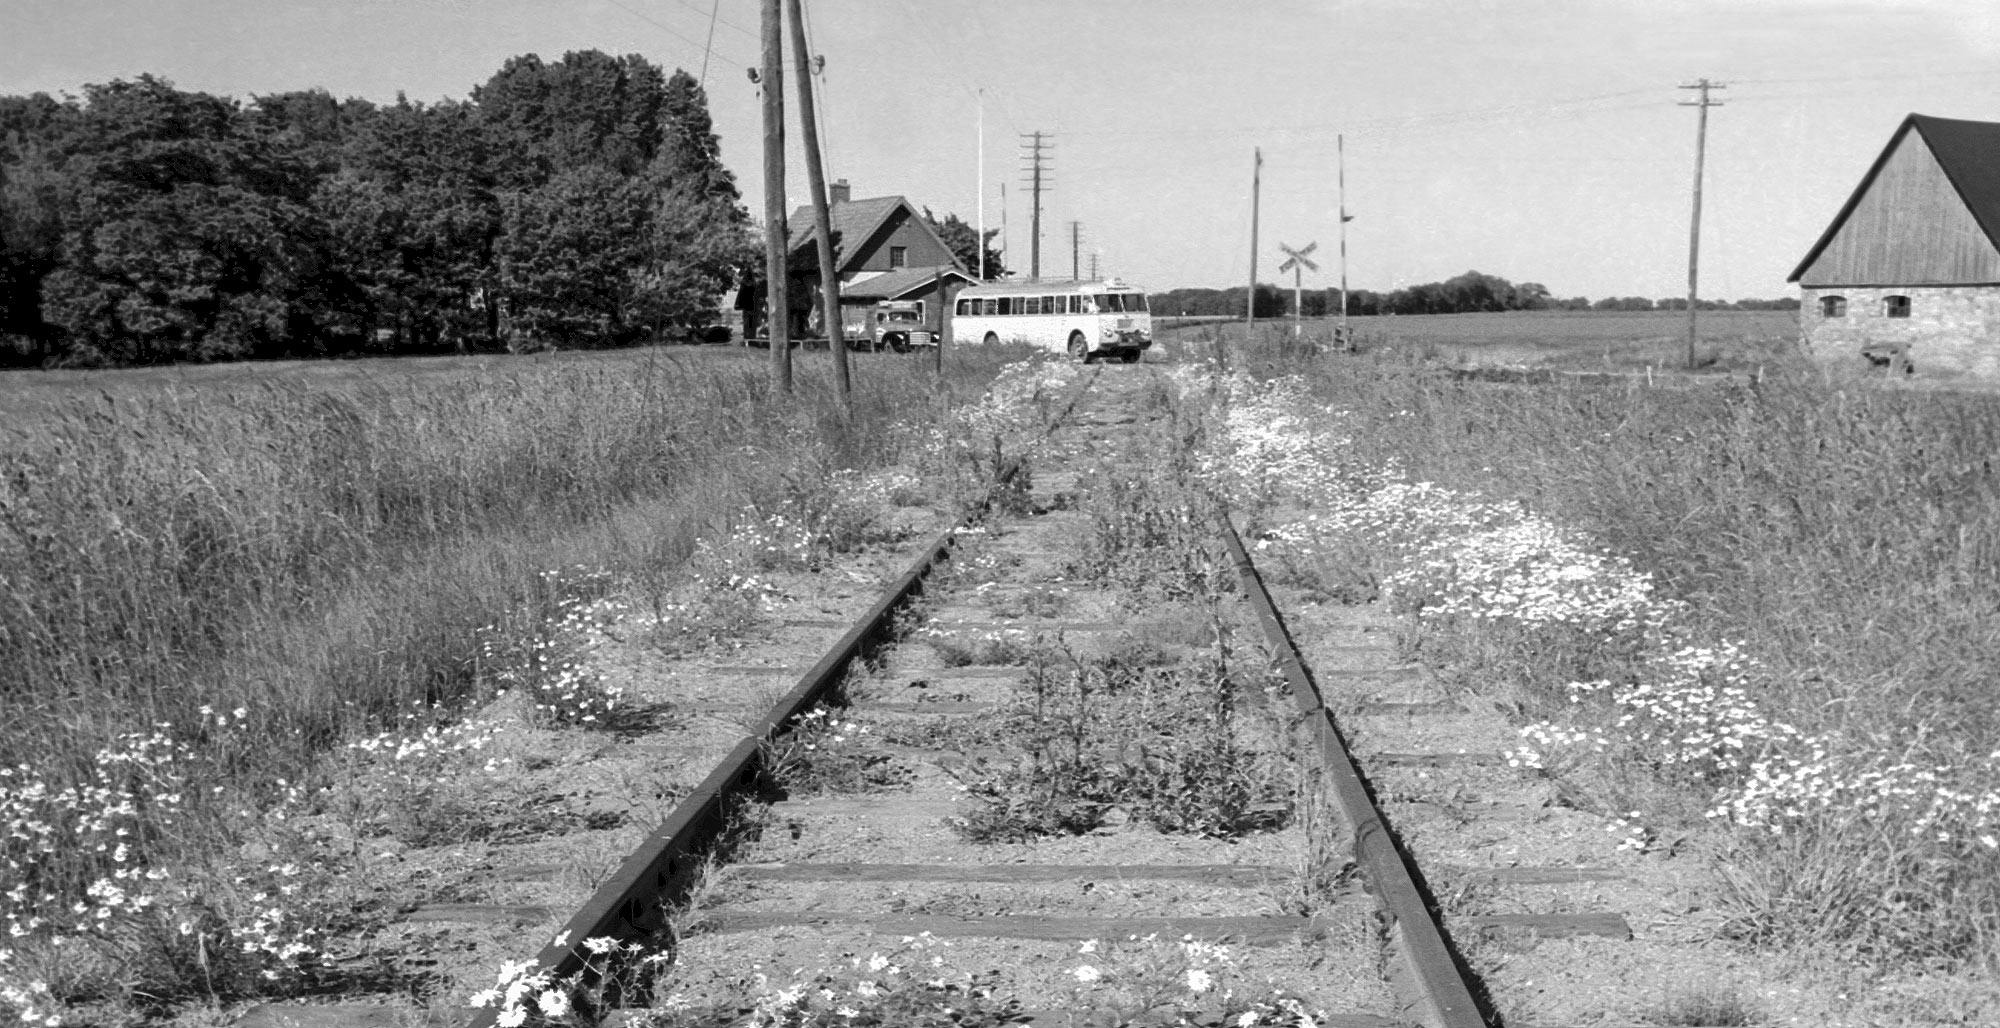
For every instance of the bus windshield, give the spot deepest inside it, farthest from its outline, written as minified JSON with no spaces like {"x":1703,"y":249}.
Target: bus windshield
{"x":1113,"y":303}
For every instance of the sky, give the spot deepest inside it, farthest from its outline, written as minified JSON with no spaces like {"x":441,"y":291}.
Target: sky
{"x":1537,"y":140}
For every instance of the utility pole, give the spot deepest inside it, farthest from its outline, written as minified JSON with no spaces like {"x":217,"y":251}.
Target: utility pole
{"x":1694,"y":224}
{"x":1038,"y":146}
{"x":777,"y":304}
{"x":829,"y":280}
{"x":1250,"y":297}
{"x":1006,"y":249}
{"x":1075,"y":250}
{"x":1340,"y":151}
{"x":1095,"y":256}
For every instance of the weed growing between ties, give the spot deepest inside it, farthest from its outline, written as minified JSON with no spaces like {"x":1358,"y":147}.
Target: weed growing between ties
{"x":823,"y":754}
{"x":1105,"y":742}
{"x":1763,"y":605}
{"x":351,"y":576}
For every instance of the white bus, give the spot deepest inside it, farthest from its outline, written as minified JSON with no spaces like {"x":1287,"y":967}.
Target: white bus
{"x":1086,"y":320}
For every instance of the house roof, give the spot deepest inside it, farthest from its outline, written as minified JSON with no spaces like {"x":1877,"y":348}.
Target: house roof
{"x":894,"y":285}
{"x":854,"y":223}
{"x":1969,"y":153}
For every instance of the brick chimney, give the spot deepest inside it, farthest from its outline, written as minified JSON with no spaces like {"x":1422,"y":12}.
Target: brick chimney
{"x":839,"y":192}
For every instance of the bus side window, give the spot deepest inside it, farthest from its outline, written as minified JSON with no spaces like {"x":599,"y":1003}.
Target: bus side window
{"x":990,"y":306}
{"x":1076,"y":305}
{"x":1034,"y":305}
{"x":1006,"y":304}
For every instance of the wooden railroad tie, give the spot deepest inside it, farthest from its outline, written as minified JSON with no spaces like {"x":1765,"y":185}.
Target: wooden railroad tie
{"x":1213,"y":874}
{"x":1247,"y":930}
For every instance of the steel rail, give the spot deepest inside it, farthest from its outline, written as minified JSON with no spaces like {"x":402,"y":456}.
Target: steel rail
{"x":659,"y":874}
{"x":633,"y":902}
{"x":1445,"y":997}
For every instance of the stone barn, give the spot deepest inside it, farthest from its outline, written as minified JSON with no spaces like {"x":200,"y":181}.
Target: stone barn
{"x":1908,"y":274}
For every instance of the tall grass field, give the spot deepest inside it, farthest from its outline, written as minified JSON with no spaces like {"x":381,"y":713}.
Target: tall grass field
{"x":1762,"y":612}
{"x":209,"y":580}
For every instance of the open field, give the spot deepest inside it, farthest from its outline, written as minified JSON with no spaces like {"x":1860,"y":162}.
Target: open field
{"x":1617,"y":341}
{"x":26,"y":395}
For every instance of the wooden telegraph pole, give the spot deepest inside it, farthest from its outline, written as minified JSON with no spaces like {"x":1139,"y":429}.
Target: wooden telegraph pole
{"x":1694,"y":226}
{"x":1250,"y":297}
{"x":777,"y":304}
{"x":1298,"y":262}
{"x":829,"y":280}
{"x":1340,"y":151}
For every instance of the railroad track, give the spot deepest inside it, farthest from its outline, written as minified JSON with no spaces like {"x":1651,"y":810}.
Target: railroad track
{"x":1071,"y":766}
{"x":944,"y":786}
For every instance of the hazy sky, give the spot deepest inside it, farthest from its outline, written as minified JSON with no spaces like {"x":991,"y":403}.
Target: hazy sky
{"x":1538,"y":140}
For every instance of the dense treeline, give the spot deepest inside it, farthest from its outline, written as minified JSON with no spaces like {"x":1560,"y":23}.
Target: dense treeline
{"x":1464,"y":294}
{"x":572,"y":203}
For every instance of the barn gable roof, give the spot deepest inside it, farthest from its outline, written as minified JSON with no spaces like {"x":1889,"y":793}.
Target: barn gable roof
{"x":854,"y":222}
{"x":1969,"y":154}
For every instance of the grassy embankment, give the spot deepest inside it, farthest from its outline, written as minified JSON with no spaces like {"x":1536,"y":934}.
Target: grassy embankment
{"x":262,"y":574}
{"x":1830,"y":548}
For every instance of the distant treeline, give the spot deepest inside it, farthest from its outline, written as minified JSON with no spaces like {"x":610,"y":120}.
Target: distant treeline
{"x":1463,"y":294}
{"x":574,"y":203}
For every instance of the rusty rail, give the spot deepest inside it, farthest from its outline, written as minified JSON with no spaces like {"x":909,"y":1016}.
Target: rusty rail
{"x":633,"y":902}
{"x":1444,"y":996}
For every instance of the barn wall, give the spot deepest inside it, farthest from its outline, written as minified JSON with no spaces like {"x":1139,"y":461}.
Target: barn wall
{"x":1950,"y":330}
{"x":1911,"y":227}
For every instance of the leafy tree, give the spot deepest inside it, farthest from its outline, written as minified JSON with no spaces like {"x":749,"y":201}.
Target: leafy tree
{"x":31,"y":221}
{"x":572,"y":260}
{"x":690,"y":156}
{"x":183,"y":238}
{"x":960,"y":239}
{"x":415,"y":218}
{"x":589,"y":108}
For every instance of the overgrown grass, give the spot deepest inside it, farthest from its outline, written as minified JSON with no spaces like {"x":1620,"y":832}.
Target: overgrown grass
{"x":1818,"y":566}
{"x":199,"y":597}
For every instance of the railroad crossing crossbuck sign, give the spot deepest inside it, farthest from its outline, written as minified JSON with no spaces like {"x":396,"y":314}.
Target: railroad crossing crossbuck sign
{"x":1298,"y":263}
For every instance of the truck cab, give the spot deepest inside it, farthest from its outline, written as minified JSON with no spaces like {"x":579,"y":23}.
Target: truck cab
{"x":899,"y":325}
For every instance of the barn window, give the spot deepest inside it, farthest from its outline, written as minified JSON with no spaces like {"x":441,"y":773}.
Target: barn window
{"x":1833,"y":306}
{"x":1896,"y":306}
{"x":899,"y":256}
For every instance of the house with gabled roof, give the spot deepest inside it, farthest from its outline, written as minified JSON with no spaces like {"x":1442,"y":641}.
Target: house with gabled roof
{"x":1908,"y":273}
{"x":883,"y":249}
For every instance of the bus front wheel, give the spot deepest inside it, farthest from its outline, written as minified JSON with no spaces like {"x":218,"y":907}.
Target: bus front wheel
{"x":992,"y":339}
{"x":1079,"y":349}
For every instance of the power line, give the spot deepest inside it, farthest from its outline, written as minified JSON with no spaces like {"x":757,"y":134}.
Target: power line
{"x":713,"y":20}
{"x":662,"y":26}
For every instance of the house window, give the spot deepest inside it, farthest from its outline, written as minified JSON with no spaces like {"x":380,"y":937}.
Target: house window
{"x":1833,"y":306}
{"x":1896,"y":306}
{"x":899,"y":256}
